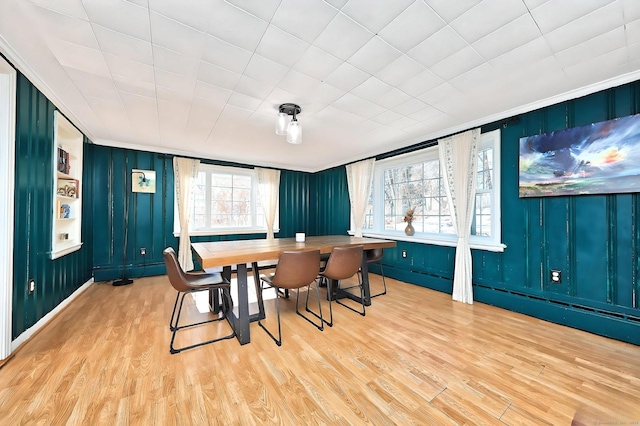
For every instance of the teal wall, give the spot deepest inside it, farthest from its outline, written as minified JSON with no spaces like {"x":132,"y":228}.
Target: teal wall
{"x":150,"y":216}
{"x":55,"y":279}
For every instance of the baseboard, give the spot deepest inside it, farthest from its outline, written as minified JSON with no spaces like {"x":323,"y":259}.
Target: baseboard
{"x":31,"y":331}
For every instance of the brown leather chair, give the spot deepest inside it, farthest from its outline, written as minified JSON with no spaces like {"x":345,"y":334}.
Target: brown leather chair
{"x":185,"y":283}
{"x":295,"y":269}
{"x":344,"y":262}
{"x":375,"y":256}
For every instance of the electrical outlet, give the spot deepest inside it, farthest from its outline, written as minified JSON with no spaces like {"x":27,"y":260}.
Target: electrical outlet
{"x":404,"y":254}
{"x":556,"y":276}
{"x":32,"y":286}
{"x":143,"y":251}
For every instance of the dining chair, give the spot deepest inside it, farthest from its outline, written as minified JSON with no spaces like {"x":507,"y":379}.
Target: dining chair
{"x":295,"y":269}
{"x":375,"y":256}
{"x":186,"y":283}
{"x":344,"y":262}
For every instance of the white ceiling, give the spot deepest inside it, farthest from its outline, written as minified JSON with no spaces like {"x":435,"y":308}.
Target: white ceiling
{"x":204,"y":78}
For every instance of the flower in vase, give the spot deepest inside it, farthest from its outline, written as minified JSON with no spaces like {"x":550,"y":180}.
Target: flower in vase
{"x":408,"y":216}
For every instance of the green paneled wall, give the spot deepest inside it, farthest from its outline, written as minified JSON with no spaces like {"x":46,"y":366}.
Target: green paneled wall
{"x":55,"y":279}
{"x":150,"y":216}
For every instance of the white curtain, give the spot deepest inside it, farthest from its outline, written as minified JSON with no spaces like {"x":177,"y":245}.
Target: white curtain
{"x":185,"y":172}
{"x":459,"y":159}
{"x":359,"y":179}
{"x":268,"y":191}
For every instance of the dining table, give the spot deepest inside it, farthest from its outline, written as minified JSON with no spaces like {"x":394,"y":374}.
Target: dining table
{"x":239,"y":254}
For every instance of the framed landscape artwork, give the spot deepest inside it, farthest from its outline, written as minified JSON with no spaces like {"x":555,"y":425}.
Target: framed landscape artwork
{"x":600,"y":158}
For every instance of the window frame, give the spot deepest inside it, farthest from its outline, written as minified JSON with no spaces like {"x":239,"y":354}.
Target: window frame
{"x":493,"y":243}
{"x":253,"y":229}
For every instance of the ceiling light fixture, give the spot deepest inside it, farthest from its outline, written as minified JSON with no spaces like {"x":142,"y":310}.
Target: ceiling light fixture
{"x":292,"y":129}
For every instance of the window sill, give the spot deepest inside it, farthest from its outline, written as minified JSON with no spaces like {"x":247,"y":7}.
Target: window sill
{"x":445,"y":241}
{"x":228,"y":231}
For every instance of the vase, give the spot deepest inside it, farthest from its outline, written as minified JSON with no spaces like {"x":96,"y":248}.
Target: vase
{"x":409,"y":229}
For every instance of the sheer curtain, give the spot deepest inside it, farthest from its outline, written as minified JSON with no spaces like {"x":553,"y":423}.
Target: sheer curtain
{"x":459,"y":156}
{"x":359,"y":179}
{"x":185,"y":172}
{"x":268,"y":191}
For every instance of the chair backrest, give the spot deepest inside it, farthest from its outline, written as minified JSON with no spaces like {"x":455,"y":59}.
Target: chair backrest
{"x":374,"y":255}
{"x":174,"y":270}
{"x":344,"y":262}
{"x":296,"y":269}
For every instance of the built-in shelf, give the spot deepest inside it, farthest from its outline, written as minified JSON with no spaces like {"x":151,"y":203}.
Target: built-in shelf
{"x":67,"y":195}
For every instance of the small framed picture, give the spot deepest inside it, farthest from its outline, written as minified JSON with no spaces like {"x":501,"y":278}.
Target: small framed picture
{"x":143,"y":181}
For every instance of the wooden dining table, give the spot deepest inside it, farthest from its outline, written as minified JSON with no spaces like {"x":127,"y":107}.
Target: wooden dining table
{"x":240,"y":253}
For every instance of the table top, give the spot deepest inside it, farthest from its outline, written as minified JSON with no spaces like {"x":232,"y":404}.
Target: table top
{"x":225,"y":253}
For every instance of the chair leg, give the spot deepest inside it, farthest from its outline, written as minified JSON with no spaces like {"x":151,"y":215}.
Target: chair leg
{"x":175,"y":329}
{"x":321,"y":326}
{"x":321,"y":317}
{"x":361,"y":297}
{"x":173,"y":313}
{"x":384,"y":283}
{"x":278,"y":340}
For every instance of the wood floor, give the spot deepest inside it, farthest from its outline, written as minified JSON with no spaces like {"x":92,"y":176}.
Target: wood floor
{"x":416,"y":358}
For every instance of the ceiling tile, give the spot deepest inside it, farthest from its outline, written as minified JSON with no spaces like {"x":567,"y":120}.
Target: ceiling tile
{"x":175,"y":36}
{"x":374,"y":56}
{"x":332,"y":39}
{"x":169,"y":60}
{"x":193,"y":13}
{"x":94,"y":86}
{"x":121,"y":16}
{"x":450,"y":10}
{"x":281,"y":47}
{"x":211,"y":95}
{"x":511,"y":36}
{"x":358,"y":106}
{"x":217,"y":76}
{"x":399,"y":70}
{"x":555,"y":13}
{"x":71,"y":8}
{"x":175,"y":82}
{"x":442,"y":44}
{"x":265,"y":70}
{"x":439,"y":93}
{"x":412,"y":106}
{"x":346,"y":77}
{"x":305,"y":19}
{"x":469,"y":81}
{"x":371,"y":89}
{"x":392,"y":98}
{"x":325,"y":94}
{"x":119,"y":66}
{"x":387,"y":117}
{"x":132,"y":86}
{"x":460,"y":62}
{"x":587,"y":27}
{"x":317,"y":63}
{"x":202,"y":118}
{"x":595,"y":47}
{"x":299,"y":83}
{"x":82,"y":58}
{"x":530,"y":52}
{"x":225,"y":55}
{"x":120,"y":44}
{"x":263,"y":9}
{"x":403,"y":123}
{"x":630,"y":9}
{"x":250,"y":87}
{"x":420,"y":83}
{"x":236,"y":26}
{"x":63,"y":27}
{"x":375,"y":14}
{"x":416,"y":23}
{"x":604,"y":67}
{"x":243,"y":101}
{"x":486,"y":17}
{"x":427,"y":114}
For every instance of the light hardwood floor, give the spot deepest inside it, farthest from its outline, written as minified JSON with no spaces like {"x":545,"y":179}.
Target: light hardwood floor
{"x":416,"y":358}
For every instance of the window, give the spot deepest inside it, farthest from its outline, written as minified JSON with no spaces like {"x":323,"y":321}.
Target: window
{"x":226,"y":202}
{"x":416,"y":181}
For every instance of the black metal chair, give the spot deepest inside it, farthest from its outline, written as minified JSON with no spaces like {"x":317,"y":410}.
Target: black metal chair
{"x":185,"y":283}
{"x":295,"y":269}
{"x":344,"y":262}
{"x":375,"y":256}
